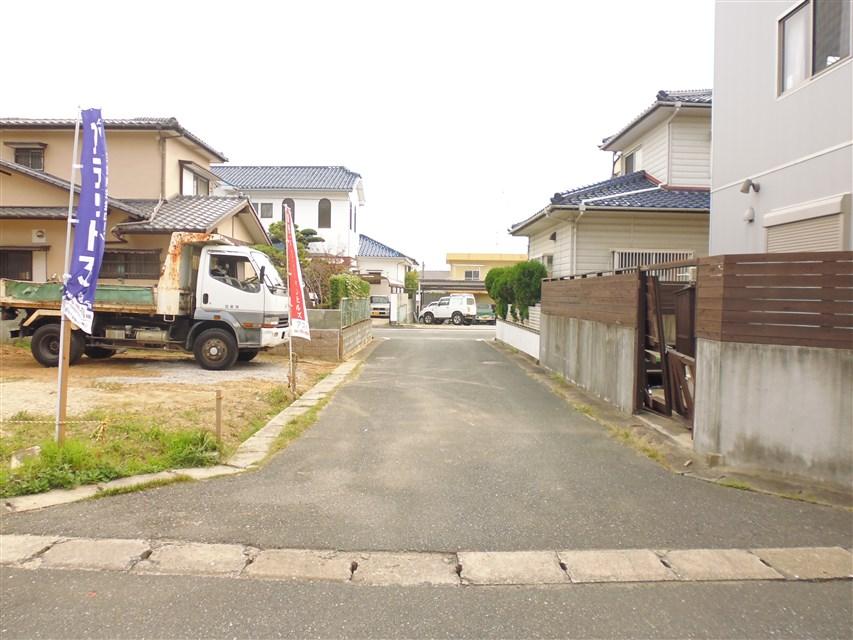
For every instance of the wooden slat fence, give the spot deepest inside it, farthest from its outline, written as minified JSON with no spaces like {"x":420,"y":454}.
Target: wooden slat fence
{"x":803,"y":299}
{"x":609,"y":299}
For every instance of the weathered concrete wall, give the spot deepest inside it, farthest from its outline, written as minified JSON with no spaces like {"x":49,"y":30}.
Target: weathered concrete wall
{"x":521,"y":338}
{"x":789,"y":409}
{"x":356,"y":336}
{"x":595,"y":356}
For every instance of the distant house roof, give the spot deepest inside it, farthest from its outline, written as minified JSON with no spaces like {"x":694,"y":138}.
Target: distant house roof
{"x":48,"y":178}
{"x":287,"y":178}
{"x":370,"y":248}
{"x":143,"y":124}
{"x":695,"y":98}
{"x":436,"y":275}
{"x":620,"y":193}
{"x":183,"y":213}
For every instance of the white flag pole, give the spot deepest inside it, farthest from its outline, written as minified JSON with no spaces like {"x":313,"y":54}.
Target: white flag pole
{"x":291,"y":375}
{"x":65,"y":324}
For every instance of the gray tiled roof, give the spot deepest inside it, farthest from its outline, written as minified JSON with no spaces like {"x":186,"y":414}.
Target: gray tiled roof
{"x":121,"y":205}
{"x":668,"y":98}
{"x":33,"y":213}
{"x":370,"y":248}
{"x":293,"y":178}
{"x":145,"y":123}
{"x":183,"y":213}
{"x":613,"y":193}
{"x":697,"y":96}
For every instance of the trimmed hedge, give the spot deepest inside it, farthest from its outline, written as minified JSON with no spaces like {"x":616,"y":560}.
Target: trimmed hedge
{"x":347,"y":285}
{"x":519,"y":285}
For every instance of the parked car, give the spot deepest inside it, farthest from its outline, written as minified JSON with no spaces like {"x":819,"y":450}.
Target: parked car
{"x":485,"y":314}
{"x":458,"y":309}
{"x":380,"y":306}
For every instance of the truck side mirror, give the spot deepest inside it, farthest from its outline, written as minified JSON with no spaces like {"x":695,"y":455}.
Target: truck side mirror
{"x":263,"y":271}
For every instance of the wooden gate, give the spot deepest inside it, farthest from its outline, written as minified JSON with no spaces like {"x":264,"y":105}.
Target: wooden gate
{"x":666,"y":369}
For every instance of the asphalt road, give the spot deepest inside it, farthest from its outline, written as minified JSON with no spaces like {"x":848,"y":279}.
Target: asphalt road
{"x":440,"y":444}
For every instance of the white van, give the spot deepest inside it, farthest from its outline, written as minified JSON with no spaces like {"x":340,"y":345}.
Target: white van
{"x":458,"y":308}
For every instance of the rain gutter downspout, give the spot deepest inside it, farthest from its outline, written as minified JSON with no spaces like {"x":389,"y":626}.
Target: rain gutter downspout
{"x":669,"y":142}
{"x":582,"y":210}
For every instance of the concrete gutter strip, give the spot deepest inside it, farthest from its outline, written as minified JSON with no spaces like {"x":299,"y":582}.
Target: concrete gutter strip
{"x":248,"y":455}
{"x":468,"y":568}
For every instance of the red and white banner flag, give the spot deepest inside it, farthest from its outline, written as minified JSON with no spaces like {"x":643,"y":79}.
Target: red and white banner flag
{"x":298,"y":313}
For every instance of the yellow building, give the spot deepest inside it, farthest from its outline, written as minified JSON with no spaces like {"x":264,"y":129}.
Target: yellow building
{"x":467,"y":274}
{"x":159,"y":182}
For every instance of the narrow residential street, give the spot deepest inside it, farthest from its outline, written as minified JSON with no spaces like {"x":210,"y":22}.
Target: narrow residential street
{"x":440,"y":444}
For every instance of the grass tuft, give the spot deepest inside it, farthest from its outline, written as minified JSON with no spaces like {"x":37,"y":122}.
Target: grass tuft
{"x":735,"y":484}
{"x":153,"y":484}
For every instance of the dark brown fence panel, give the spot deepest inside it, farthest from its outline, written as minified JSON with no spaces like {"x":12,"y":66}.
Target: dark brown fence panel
{"x":803,"y":299}
{"x":607,"y":299}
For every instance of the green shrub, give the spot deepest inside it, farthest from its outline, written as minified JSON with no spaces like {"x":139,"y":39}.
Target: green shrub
{"x":347,"y":285}
{"x":499,"y":285}
{"x":412,"y":280}
{"x":527,"y":286}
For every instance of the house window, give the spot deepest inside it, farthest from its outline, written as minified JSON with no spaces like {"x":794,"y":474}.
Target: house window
{"x":130,"y":264}
{"x":32,"y":158}
{"x":547,"y":261}
{"x":631,"y":259}
{"x":813,"y":37}
{"x":202,"y":186}
{"x":17,"y":265}
{"x":629,"y":162}
{"x":265,"y":209}
{"x":288,"y":202}
{"x":324,"y":214}
{"x":472,"y":274}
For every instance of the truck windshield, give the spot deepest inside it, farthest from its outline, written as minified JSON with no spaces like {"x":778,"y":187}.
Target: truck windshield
{"x":270,"y":272}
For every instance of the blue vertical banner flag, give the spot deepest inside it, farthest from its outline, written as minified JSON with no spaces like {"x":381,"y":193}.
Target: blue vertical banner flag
{"x":91,"y":226}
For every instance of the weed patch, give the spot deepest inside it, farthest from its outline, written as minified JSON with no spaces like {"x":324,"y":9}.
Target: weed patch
{"x":153,"y":484}
{"x":734,"y":484}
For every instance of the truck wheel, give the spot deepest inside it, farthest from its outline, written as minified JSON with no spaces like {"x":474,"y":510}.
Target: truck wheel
{"x":457,"y":318}
{"x":99,"y":353}
{"x":215,"y":349}
{"x":428,"y":318}
{"x":246,"y":355}
{"x":45,"y":345}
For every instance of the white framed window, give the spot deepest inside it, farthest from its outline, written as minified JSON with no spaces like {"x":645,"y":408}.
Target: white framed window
{"x":629,"y":163}
{"x":264,"y":209}
{"x":813,"y":36}
{"x":472,"y":274}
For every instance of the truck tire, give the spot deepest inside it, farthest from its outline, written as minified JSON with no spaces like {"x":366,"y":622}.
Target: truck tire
{"x":457,"y":318}
{"x":45,"y":345}
{"x":428,"y":318}
{"x":215,"y":349}
{"x":99,"y":353}
{"x":246,"y":355}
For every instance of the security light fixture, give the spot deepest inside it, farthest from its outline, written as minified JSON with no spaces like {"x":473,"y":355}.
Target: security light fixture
{"x":747,"y":184}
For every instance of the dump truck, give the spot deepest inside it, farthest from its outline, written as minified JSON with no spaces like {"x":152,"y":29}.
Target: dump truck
{"x":218,"y":300}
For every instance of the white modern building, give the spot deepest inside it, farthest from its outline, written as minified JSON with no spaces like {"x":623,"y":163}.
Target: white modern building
{"x":385,"y":268}
{"x":326,"y":199}
{"x":783,"y":127}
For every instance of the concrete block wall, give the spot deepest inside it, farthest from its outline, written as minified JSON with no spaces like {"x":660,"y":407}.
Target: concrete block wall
{"x":783,"y":408}
{"x":522,"y":338}
{"x":355,"y":336}
{"x":596,"y":356}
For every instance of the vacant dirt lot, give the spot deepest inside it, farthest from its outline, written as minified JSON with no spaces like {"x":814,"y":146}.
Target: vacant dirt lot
{"x":169,"y":387}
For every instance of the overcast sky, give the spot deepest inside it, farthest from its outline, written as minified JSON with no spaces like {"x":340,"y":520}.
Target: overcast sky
{"x":462,"y":117}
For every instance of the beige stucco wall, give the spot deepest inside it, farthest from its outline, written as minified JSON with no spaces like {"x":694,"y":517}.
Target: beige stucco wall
{"x":17,"y":190}
{"x":178,"y":149}
{"x":134,"y":158}
{"x":458,"y":268}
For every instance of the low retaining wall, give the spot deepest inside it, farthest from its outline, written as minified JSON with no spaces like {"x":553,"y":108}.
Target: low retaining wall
{"x":522,"y":338}
{"x":778,"y":407}
{"x":328,"y":340}
{"x":355,"y":337}
{"x":596,"y":356}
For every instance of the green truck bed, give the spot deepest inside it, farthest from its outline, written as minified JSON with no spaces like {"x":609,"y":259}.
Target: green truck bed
{"x":108,"y":297}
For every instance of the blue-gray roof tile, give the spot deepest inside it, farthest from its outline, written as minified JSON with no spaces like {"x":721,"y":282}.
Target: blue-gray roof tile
{"x":287,"y":178}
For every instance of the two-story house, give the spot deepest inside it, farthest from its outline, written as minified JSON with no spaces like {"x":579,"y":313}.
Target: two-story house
{"x":326,"y":199}
{"x":383,"y":267}
{"x":655,"y":206}
{"x":466,"y":275}
{"x":159,"y":182}
{"x":783,"y":130}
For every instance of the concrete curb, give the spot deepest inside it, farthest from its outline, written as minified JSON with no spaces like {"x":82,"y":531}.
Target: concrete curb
{"x":404,"y":569}
{"x":248,"y":455}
